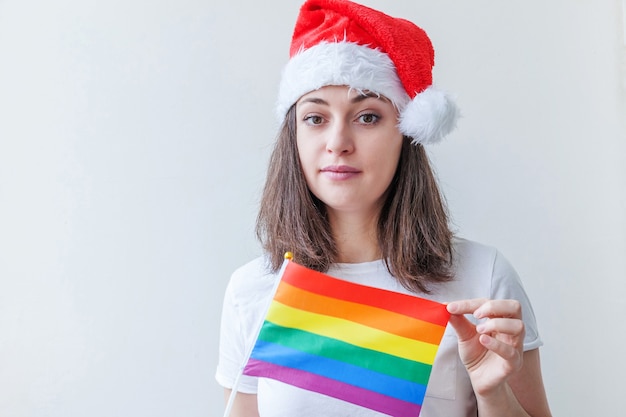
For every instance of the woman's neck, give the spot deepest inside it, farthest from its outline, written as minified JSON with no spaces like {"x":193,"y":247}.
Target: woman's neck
{"x":355,"y":237}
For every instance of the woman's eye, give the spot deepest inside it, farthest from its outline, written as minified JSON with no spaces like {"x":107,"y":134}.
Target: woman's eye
{"x":369,"y":118}
{"x":313,"y":120}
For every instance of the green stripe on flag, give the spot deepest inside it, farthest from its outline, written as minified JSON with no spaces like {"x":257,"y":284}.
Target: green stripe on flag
{"x":344,"y":352}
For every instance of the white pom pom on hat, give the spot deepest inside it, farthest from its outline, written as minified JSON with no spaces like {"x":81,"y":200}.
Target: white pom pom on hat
{"x":338,"y":42}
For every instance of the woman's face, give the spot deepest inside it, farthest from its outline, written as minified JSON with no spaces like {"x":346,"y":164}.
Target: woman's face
{"x":349,"y":146}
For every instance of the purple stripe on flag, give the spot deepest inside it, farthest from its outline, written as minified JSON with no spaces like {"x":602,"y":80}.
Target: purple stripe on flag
{"x":332,"y":388}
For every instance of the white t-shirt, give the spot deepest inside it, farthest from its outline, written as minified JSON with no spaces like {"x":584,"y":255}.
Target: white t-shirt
{"x":479,"y":272}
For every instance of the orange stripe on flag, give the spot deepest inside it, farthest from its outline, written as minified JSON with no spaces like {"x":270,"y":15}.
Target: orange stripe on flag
{"x":374,"y":317}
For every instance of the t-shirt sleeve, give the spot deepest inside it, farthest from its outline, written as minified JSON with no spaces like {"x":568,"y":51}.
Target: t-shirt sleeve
{"x":234,"y":343}
{"x":506,"y":284}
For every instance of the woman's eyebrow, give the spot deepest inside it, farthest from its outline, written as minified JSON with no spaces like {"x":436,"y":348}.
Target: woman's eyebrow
{"x":315,"y":100}
{"x":356,"y":99}
{"x":364,"y":96}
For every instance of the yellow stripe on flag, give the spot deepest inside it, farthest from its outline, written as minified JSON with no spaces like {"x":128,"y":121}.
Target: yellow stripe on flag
{"x":353,"y":333}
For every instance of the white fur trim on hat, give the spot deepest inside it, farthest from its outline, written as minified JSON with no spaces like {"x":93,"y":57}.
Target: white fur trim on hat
{"x":339,"y":63}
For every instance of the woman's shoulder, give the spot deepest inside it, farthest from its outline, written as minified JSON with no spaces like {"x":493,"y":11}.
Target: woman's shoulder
{"x":252,"y":280}
{"x":472,"y":248}
{"x":471,"y":256}
{"x":477,"y":268}
{"x":257,"y":267}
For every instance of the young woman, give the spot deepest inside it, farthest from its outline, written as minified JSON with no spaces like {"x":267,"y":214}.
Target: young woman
{"x":350,"y":192}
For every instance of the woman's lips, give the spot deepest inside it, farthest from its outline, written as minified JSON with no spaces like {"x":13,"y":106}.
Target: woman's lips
{"x":340,"y":172}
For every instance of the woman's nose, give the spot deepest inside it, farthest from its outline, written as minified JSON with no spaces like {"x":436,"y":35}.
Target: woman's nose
{"x":340,"y":140}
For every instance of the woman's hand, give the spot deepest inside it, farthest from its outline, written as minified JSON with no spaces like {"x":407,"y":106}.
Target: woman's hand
{"x":491,"y":351}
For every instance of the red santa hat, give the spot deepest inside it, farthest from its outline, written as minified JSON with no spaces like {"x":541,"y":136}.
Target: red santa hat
{"x":338,"y":42}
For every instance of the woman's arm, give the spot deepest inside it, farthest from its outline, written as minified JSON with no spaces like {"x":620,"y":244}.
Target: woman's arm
{"x":506,"y":380}
{"x":245,"y":405}
{"x":527,"y":385}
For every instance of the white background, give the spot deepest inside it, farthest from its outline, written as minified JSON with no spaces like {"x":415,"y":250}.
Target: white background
{"x":134,"y":137}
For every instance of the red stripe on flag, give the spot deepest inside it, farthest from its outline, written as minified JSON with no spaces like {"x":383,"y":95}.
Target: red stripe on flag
{"x":317,"y":282}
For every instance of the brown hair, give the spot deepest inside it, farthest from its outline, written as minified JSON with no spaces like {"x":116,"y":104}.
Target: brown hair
{"x":413,"y":233}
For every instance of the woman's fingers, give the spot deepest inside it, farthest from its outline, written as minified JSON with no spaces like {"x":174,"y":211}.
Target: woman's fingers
{"x":511,"y":327}
{"x":500,"y":330}
{"x":465,"y":306}
{"x":512,"y":354}
{"x":499,"y":308}
{"x":484,"y":308}
{"x":492,"y":349}
{"x":464,"y":328}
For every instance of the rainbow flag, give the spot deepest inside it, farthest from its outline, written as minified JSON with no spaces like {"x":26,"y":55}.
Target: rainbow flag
{"x":367,"y":346}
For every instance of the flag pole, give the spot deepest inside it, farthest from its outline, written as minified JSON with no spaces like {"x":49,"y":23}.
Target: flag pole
{"x":233,"y":391}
